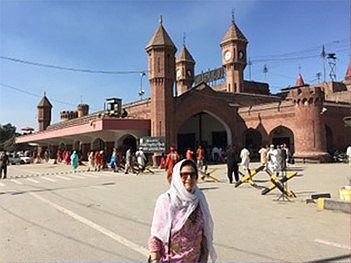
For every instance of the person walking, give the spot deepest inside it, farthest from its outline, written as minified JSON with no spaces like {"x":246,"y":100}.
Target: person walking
{"x":129,"y":161}
{"x":232,"y":163}
{"x":171,"y":159}
{"x":273,"y":160}
{"x":200,"y":154}
{"x":4,"y":162}
{"x":245,"y":160}
{"x":263,"y":155}
{"x":189,"y":154}
{"x":141,"y":159}
{"x":113,"y":160}
{"x":182,"y":225}
{"x":74,"y":160}
{"x":97,"y":160}
{"x":91,"y":161}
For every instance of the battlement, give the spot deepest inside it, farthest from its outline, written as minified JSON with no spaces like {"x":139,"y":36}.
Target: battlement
{"x":68,"y":115}
{"x":82,"y":110}
{"x":307,"y":95}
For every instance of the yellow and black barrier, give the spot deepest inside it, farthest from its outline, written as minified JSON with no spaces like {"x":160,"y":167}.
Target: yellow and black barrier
{"x":248,"y":177}
{"x":205,"y":175}
{"x":279,"y":183}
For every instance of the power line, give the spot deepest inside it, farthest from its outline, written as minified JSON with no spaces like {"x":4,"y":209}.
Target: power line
{"x":36,"y":95}
{"x":311,"y":49}
{"x":69,"y":68}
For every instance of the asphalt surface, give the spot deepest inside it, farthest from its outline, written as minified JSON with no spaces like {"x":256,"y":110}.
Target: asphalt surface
{"x":49,"y":214}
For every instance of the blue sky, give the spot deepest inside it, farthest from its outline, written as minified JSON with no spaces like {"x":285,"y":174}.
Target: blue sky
{"x":287,"y":36}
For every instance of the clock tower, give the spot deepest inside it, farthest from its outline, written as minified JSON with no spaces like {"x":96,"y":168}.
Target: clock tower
{"x":233,"y":47}
{"x":161,"y":73}
{"x":184,"y":71}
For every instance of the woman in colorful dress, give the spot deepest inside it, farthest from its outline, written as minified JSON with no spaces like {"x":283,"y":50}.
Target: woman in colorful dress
{"x":182,"y":226}
{"x":74,"y":160}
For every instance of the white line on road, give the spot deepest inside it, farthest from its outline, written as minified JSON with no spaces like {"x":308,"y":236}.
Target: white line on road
{"x":64,"y":178}
{"x":95,"y":226}
{"x":75,"y":176}
{"x":1,"y":184}
{"x":16,"y":182}
{"x":32,"y":180}
{"x":48,"y":179}
{"x":332,"y":244}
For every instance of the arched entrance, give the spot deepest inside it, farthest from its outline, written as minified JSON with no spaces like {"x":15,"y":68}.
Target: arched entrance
{"x":203,"y":128}
{"x":98,"y":144}
{"x":281,"y":135}
{"x":76,"y":145}
{"x":127,"y":141}
{"x":253,"y":142}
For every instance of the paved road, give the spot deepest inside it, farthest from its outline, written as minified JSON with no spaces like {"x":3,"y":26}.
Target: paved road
{"x":49,"y":214}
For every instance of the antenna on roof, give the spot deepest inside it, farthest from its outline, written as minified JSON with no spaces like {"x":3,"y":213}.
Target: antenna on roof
{"x":183,"y":39}
{"x":44,"y":93}
{"x":161,"y":21}
{"x":265,"y":70}
{"x":332,"y":64}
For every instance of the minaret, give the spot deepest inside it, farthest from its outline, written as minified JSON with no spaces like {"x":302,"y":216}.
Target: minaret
{"x":161,"y":72}
{"x":44,"y":113}
{"x":234,"y":57}
{"x":184,"y":70}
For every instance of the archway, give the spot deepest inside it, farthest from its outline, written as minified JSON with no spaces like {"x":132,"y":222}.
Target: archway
{"x":281,"y":135}
{"x":253,"y":142}
{"x":127,"y":141}
{"x":76,"y":145}
{"x":98,"y":144}
{"x":203,"y":128}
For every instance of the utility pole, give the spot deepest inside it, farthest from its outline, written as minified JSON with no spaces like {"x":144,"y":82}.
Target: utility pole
{"x":323,"y":55}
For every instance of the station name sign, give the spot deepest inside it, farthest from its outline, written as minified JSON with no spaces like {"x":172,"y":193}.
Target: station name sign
{"x":153,"y":144}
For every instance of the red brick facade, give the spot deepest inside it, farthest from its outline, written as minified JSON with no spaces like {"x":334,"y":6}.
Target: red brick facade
{"x":308,"y":118}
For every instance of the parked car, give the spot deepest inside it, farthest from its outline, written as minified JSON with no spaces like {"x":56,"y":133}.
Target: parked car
{"x":25,"y":160}
{"x":15,"y":158}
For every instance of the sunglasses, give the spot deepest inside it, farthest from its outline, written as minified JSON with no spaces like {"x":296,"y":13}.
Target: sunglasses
{"x":186,"y":174}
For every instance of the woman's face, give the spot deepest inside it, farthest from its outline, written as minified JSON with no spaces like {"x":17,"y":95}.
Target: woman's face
{"x":188,"y":176}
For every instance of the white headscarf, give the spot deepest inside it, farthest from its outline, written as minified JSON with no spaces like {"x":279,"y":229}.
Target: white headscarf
{"x":181,"y":203}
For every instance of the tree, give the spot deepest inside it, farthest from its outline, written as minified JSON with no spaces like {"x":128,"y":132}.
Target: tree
{"x":8,"y":137}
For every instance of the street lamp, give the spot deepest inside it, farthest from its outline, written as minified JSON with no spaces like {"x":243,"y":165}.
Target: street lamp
{"x":141,"y":91}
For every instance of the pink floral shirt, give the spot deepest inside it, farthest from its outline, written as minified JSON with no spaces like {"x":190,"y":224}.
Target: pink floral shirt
{"x":187,"y":245}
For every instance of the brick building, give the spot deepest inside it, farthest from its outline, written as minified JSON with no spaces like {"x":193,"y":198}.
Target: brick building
{"x":188,"y":110}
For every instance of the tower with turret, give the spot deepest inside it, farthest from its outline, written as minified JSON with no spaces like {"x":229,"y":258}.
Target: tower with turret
{"x":44,"y":113}
{"x":184,"y":71}
{"x":161,"y":73}
{"x":309,"y":132}
{"x":233,"y":47}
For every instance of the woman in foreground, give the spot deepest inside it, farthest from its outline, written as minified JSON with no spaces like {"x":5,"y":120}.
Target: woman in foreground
{"x":182,"y":226}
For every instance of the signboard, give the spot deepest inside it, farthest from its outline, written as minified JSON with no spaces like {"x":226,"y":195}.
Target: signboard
{"x":153,"y":144}
{"x":210,"y":76}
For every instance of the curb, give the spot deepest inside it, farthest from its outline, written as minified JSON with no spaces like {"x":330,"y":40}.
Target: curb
{"x":336,"y":205}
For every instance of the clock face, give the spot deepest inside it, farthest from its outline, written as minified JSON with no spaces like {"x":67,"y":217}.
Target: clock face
{"x":227,"y":55}
{"x":241,"y":55}
{"x":189,"y":73}
{"x":178,"y":73}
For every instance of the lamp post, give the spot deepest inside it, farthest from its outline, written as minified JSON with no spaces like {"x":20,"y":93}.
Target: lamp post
{"x":141,"y":91}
